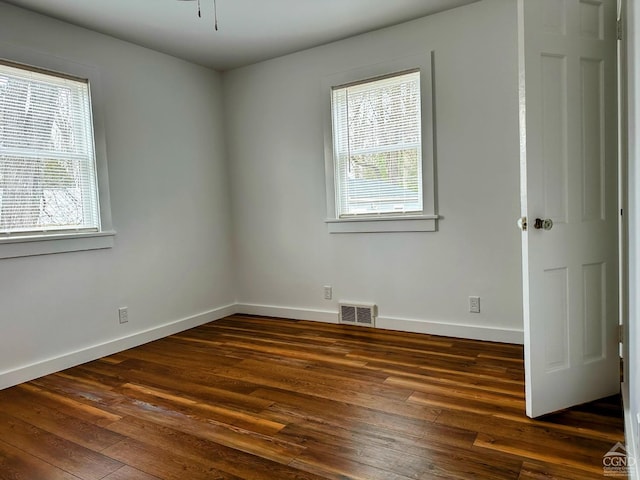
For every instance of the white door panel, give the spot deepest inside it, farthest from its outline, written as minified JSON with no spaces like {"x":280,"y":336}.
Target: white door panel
{"x":567,"y":54}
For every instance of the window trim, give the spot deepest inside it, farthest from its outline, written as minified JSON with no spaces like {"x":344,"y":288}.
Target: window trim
{"x":22,"y":245}
{"x":427,"y":220}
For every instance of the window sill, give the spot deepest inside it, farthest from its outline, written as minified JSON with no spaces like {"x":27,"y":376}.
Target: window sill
{"x":415,"y":223}
{"x":26,"y":246}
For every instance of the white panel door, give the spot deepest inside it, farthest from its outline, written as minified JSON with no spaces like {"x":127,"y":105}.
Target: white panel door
{"x":567,"y":51}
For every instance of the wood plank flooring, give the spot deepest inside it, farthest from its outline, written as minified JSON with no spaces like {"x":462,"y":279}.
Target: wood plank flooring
{"x":267,"y":399}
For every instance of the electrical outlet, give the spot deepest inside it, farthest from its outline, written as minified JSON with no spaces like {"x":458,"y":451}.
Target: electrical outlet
{"x":474,"y":304}
{"x":123,"y":315}
{"x":328,"y":292}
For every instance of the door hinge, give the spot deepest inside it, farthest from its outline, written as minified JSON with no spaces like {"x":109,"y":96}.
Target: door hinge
{"x":619,"y":29}
{"x":621,"y":334}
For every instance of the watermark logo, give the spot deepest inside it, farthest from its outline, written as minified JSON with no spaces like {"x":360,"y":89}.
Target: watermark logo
{"x":616,"y":462}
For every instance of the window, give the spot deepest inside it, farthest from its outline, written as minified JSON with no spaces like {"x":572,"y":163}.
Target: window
{"x":380,"y":163}
{"x":53,"y":181}
{"x":47,"y":159}
{"x":377,"y":143}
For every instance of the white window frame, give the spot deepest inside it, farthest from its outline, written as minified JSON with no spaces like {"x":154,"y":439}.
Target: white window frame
{"x":22,"y":245}
{"x":426,"y":221}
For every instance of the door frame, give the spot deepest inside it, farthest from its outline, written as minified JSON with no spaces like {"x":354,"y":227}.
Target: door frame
{"x":623,"y":189}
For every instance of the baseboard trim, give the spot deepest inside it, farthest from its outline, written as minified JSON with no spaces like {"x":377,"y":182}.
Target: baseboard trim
{"x":473,"y":332}
{"x":45,"y":367}
{"x":629,"y":431}
{"x":326,"y":316}
{"x":492,"y":334}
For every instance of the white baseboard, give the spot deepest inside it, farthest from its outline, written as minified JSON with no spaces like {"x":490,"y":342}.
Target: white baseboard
{"x":475,"y":332}
{"x":327,"y":316}
{"x":629,"y":434}
{"x":56,"y":364}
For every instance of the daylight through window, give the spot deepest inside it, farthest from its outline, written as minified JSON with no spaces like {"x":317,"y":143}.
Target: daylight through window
{"x":378,"y":146}
{"x":47,"y":159}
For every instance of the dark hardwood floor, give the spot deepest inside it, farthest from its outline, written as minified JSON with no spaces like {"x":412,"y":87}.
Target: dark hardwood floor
{"x":253,"y":398}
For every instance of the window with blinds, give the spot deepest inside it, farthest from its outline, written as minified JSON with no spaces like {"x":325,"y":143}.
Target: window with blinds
{"x":378,"y":146}
{"x":47,"y":159}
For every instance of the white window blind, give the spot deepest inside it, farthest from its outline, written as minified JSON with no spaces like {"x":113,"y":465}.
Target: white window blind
{"x":47,"y":159}
{"x":377,"y":146}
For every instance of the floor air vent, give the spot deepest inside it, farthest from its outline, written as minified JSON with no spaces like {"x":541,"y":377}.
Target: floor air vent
{"x":364,"y":315}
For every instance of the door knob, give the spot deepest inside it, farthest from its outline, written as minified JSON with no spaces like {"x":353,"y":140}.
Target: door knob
{"x":522,"y":223}
{"x":543,"y":224}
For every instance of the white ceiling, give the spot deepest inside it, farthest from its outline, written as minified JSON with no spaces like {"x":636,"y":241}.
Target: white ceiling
{"x":249,"y":30}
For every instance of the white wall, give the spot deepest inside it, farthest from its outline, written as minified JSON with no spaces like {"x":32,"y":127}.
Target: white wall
{"x":632,"y":405}
{"x":176,"y":213}
{"x":172,"y":258}
{"x":275,"y":142}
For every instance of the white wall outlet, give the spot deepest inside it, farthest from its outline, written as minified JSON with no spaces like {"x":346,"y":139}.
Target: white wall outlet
{"x":474,"y":304}
{"x":123,"y":315}
{"x":328,"y":292}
